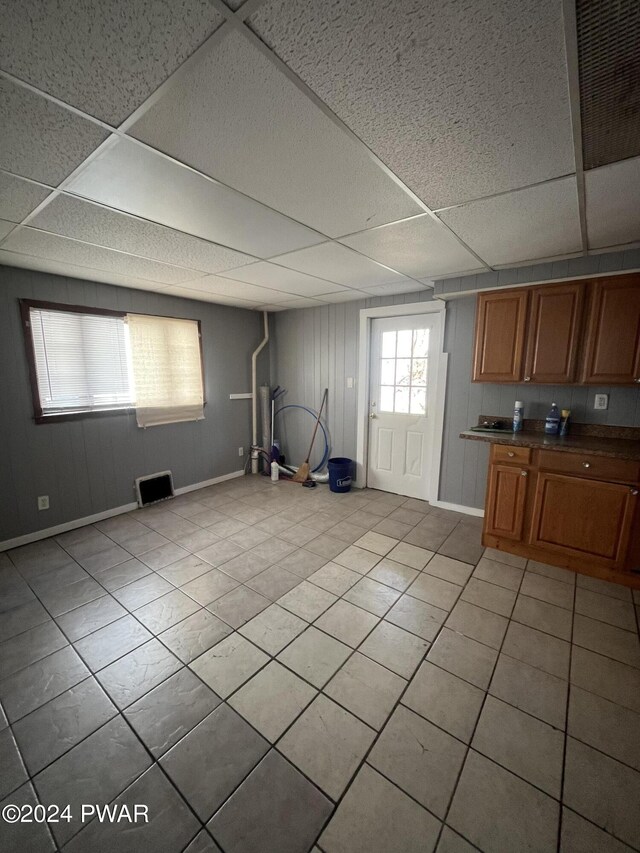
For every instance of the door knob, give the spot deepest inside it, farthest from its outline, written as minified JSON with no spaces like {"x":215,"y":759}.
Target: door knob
{"x":373,"y":415}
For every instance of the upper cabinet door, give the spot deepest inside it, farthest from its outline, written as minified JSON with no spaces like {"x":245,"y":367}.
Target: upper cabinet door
{"x":555,"y":320}
{"x":613,"y":332}
{"x":500,"y":330}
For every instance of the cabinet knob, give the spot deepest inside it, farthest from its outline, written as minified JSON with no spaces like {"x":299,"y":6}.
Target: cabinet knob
{"x":524,"y":473}
{"x":528,"y":379}
{"x":586,"y":464}
{"x":634,"y":492}
{"x":511,"y":453}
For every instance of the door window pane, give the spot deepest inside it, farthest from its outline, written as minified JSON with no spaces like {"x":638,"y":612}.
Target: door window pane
{"x":388,"y":371}
{"x":388,"y":344}
{"x":403,"y":371}
{"x":418,"y":401}
{"x":405,"y":343}
{"x":420,"y":343}
{"x":419,"y":371}
{"x":402,"y":400}
{"x":386,"y":398}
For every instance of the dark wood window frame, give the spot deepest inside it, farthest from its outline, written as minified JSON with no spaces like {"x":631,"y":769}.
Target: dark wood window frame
{"x":39,"y":416}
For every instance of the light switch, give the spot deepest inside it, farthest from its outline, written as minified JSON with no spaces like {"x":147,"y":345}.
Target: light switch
{"x":601,"y":401}
{"x":349,"y":381}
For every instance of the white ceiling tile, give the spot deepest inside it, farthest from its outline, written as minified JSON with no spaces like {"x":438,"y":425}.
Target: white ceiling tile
{"x":538,"y":222}
{"x":280,"y":278}
{"x":104,"y":58}
{"x":231,"y":288}
{"x":218,"y":299}
{"x":84,"y":220}
{"x":40,"y":139}
{"x":18,"y":197}
{"x":31,"y":262}
{"x":132,"y":178}
{"x":392,"y":289}
{"x":419,"y":247}
{"x":337,"y":263}
{"x":28,"y":241}
{"x":292,"y":303}
{"x":613,"y":211}
{"x":238,"y":118}
{"x":460,"y":100}
{"x":344,"y":296}
{"x":6,"y":228}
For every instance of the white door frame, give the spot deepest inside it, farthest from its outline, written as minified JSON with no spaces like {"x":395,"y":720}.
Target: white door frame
{"x":436,"y":419}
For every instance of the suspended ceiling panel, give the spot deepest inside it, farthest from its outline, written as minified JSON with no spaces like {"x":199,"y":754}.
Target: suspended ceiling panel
{"x":13,"y":259}
{"x":203,"y":296}
{"x":231,"y":289}
{"x":394,"y":289}
{"x":608,"y":47}
{"x":84,"y":220}
{"x":6,"y":227}
{"x":18,"y":198}
{"x":280,"y":278}
{"x":613,"y":208}
{"x":344,"y":296}
{"x":103,"y":57}
{"x":539,"y":222}
{"x":40,"y":244}
{"x":419,"y":247}
{"x":39,"y":139}
{"x":235,"y":116}
{"x":132,"y":178}
{"x":337,"y":263}
{"x":460,"y":100}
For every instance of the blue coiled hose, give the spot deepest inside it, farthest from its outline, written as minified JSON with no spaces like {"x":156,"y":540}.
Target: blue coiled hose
{"x":324,"y":432}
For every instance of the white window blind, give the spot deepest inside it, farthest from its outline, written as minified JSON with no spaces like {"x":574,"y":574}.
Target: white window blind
{"x":82,"y":361}
{"x":167,"y":369}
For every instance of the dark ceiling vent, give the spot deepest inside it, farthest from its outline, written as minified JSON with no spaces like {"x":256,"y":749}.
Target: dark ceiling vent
{"x":609,"y":62}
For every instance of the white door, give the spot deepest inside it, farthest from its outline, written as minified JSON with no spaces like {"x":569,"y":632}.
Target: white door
{"x":401,"y":397}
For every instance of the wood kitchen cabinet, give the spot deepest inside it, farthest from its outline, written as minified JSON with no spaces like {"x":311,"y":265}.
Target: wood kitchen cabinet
{"x":612,"y":353}
{"x":500,"y":334}
{"x":577,"y":332}
{"x":575,"y":510}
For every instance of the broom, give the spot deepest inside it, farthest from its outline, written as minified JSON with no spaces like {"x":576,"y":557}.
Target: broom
{"x":302,"y":474}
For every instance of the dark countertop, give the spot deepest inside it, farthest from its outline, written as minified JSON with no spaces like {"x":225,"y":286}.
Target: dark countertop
{"x":616,"y":448}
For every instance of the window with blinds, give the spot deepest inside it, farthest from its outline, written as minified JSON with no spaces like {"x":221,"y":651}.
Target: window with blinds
{"x":91,"y":361}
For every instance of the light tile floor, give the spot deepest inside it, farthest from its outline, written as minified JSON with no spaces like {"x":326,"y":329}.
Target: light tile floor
{"x":271,"y":668}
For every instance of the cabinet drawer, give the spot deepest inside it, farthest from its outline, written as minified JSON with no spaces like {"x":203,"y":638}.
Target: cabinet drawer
{"x":506,"y":453}
{"x":587,"y":465}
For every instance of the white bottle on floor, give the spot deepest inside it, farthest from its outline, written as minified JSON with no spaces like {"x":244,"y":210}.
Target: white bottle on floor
{"x":275,"y":472}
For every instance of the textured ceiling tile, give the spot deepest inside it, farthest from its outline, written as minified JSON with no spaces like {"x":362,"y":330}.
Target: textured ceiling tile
{"x":105,"y":58}
{"x":73,"y":217}
{"x":55,"y":248}
{"x":280,"y":278}
{"x":128,"y":177}
{"x":419,"y":247}
{"x":238,"y":118}
{"x":539,"y":222}
{"x":39,"y":139}
{"x":240,"y":289}
{"x":613,"y":212}
{"x":459,"y":99}
{"x":6,"y":227}
{"x":31,"y":262}
{"x":18,"y":198}
{"x":344,"y":296}
{"x":335,"y":262}
{"x":392,"y":289}
{"x":204,"y":296}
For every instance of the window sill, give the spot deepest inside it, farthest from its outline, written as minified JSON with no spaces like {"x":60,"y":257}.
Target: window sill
{"x":57,"y":417}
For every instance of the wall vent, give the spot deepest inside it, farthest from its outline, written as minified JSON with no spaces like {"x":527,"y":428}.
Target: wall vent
{"x":609,"y":65}
{"x":154,"y":488}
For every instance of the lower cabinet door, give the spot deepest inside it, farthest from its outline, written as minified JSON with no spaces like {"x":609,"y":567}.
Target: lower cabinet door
{"x":504,"y":515}
{"x":583,"y":518}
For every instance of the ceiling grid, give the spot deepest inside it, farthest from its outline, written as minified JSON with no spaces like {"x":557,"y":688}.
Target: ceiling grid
{"x":243,"y":154}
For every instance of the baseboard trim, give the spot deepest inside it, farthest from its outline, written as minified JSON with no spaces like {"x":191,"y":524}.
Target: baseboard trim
{"x":467,"y":510}
{"x":101,"y":516}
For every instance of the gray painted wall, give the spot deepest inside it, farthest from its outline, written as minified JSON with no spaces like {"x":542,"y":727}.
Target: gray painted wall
{"x":88,"y":466}
{"x":319,"y":346}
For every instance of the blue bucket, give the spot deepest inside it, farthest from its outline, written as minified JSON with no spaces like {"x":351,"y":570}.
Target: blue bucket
{"x":340,"y":474}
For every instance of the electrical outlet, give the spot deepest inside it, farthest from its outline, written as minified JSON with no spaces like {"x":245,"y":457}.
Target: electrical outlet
{"x":43,"y":501}
{"x":601,"y":401}
{"x":349,"y":381}
{"x":241,"y":451}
